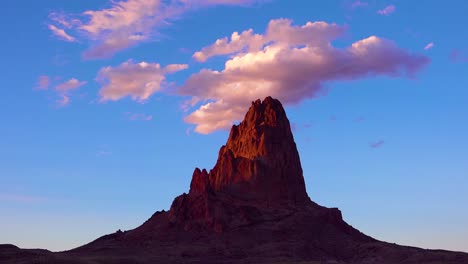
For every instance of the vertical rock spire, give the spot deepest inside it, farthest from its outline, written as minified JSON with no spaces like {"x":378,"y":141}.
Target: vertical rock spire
{"x":260,"y":159}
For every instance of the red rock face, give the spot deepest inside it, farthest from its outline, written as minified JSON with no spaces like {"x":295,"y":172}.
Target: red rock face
{"x":259,"y":161}
{"x":252,"y":207}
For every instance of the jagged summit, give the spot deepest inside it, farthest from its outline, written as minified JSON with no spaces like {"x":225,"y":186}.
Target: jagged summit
{"x":252,"y":207}
{"x":259,"y":161}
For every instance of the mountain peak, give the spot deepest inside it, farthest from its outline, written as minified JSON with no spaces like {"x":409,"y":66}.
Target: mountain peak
{"x":260,"y":159}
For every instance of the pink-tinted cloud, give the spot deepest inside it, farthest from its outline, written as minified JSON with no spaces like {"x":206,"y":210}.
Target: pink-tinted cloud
{"x":60,"y":33}
{"x":126,"y":23}
{"x":136,"y":80}
{"x":120,"y":26}
{"x":377,"y":144}
{"x":218,"y":2}
{"x":63,"y":90}
{"x":388,"y":10}
{"x":69,"y":85}
{"x":429,"y":46}
{"x":279,"y":30}
{"x":137,"y":116}
{"x":43,"y":83}
{"x":63,"y":101}
{"x":287,"y":62}
{"x":458,"y":56}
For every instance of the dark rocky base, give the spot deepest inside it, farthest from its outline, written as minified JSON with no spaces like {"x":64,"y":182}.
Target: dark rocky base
{"x":252,"y":207}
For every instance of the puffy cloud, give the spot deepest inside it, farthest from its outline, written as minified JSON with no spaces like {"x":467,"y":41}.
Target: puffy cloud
{"x":429,"y":46}
{"x":279,"y":31}
{"x":287,"y":62}
{"x":125,"y":23}
{"x":43,"y":83}
{"x":388,"y":10}
{"x":61,"y":34}
{"x":137,"y":80}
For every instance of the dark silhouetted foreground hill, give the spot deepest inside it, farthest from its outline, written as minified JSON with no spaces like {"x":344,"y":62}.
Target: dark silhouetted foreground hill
{"x":252,"y":207}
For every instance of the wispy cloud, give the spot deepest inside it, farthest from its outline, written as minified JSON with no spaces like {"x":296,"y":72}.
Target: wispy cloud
{"x":377,"y":144}
{"x":64,"y":89}
{"x":137,"y":116}
{"x":388,"y":10}
{"x":429,"y":46}
{"x":125,"y":23}
{"x":69,"y":85}
{"x":60,"y":33}
{"x":358,"y":4}
{"x":458,"y":56}
{"x":136,"y":80}
{"x":287,"y":62}
{"x":43,"y":83}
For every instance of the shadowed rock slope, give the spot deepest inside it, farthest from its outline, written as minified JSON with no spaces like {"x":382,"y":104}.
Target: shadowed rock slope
{"x":252,"y":207}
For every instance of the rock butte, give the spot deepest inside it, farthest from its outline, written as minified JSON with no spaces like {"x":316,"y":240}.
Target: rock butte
{"x":252,"y":207}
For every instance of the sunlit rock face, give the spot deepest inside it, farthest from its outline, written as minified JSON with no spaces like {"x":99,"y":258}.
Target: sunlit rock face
{"x":259,"y":161}
{"x":252,"y":207}
{"x":257,"y":170}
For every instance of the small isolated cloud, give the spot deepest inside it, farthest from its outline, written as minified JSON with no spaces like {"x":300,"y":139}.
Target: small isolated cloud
{"x":64,"y":89}
{"x":125,"y":23}
{"x":43,"y":83}
{"x":458,"y":56}
{"x":136,"y":80}
{"x":137,"y":116}
{"x":69,"y":85}
{"x":388,"y":10}
{"x":60,"y":33}
{"x":288,"y":62}
{"x":429,"y":46}
{"x":358,"y":4}
{"x":377,"y":144}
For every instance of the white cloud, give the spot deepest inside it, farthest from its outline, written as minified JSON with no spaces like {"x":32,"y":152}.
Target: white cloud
{"x":137,"y":80}
{"x":288,"y":62}
{"x":429,"y":46}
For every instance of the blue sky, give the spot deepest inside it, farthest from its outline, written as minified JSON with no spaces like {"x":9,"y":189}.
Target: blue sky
{"x":86,"y":149}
